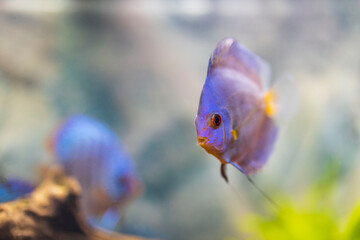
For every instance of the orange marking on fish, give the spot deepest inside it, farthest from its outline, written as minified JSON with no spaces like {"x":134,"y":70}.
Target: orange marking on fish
{"x":270,"y":106}
{"x":235,"y":134}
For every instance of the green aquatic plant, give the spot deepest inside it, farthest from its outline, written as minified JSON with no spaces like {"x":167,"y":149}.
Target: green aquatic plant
{"x":293,"y":222}
{"x":315,"y":216}
{"x":298,"y":223}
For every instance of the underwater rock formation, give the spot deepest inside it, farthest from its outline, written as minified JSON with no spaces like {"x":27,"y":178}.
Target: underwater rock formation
{"x":51,"y":212}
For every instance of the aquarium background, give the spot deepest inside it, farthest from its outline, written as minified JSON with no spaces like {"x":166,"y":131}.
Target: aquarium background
{"x":139,"y":66}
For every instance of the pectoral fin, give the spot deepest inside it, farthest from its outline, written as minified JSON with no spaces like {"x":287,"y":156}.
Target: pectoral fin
{"x":235,"y":134}
{"x":282,"y":100}
{"x":223,"y":172}
{"x":270,"y":107}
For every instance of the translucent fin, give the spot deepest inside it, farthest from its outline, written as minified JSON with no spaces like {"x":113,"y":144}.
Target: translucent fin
{"x":221,"y":51}
{"x":245,"y":59}
{"x":282,"y":100}
{"x":255,"y":63}
{"x":263,"y":193}
{"x":255,"y":185}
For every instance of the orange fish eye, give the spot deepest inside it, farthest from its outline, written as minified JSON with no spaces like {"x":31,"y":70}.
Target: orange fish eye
{"x":216,"y":120}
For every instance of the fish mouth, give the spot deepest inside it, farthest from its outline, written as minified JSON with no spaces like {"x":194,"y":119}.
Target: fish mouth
{"x":202,"y":141}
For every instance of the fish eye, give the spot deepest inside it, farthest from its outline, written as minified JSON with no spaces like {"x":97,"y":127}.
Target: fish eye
{"x":216,"y":120}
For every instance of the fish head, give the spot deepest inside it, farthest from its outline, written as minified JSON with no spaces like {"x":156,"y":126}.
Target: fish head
{"x":213,"y":120}
{"x":213,"y":130}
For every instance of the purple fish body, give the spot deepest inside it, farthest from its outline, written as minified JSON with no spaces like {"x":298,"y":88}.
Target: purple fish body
{"x":93,"y":154}
{"x":12,"y":189}
{"x":232,"y":122}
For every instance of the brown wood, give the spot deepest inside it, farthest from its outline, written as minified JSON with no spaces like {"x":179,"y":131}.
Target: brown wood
{"x":51,"y":212}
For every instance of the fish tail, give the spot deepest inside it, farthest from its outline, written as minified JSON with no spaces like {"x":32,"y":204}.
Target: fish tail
{"x":282,"y":100}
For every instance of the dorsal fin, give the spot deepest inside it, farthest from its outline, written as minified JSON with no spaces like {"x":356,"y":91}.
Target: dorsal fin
{"x":230,"y":53}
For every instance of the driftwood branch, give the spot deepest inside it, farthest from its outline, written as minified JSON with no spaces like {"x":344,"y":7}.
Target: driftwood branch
{"x":50,"y":212}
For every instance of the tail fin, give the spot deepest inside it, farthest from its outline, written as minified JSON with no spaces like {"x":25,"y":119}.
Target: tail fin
{"x":282,"y":100}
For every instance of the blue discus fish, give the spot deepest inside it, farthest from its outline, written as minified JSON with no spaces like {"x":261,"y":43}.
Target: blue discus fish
{"x":238,"y":112}
{"x":12,"y":189}
{"x":93,"y":154}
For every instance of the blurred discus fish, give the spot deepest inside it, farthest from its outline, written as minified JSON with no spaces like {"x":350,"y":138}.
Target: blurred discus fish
{"x":12,"y":189}
{"x":238,"y":112}
{"x":93,"y":154}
